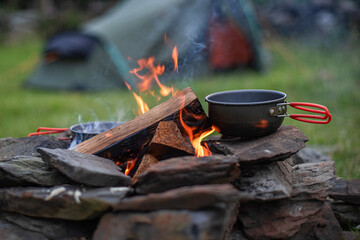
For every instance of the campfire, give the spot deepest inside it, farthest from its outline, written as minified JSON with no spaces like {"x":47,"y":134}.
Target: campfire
{"x":156,"y":177}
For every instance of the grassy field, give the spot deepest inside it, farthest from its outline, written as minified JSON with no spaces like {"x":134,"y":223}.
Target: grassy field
{"x":306,"y":72}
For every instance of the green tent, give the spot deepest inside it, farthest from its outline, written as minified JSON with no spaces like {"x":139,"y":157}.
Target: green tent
{"x":209,"y":34}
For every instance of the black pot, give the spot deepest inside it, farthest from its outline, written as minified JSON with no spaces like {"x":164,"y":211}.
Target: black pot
{"x":255,"y":113}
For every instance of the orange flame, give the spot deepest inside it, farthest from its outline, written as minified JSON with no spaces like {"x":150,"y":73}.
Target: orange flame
{"x":130,"y":165}
{"x":200,"y":151}
{"x":127,"y":85}
{"x":143,"y":107}
{"x":153,"y":72}
{"x":175,"y":55}
{"x":148,"y":72}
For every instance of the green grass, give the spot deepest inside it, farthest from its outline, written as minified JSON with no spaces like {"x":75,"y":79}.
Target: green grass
{"x":306,"y":72}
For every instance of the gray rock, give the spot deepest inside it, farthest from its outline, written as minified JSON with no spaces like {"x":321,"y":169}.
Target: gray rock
{"x":17,"y":226}
{"x":187,"y":171}
{"x":29,"y":170}
{"x":84,"y":168}
{"x":347,"y":214}
{"x":321,"y":226}
{"x":346,"y":190}
{"x":286,"y":141}
{"x":209,"y":224}
{"x":266,"y":181}
{"x":310,"y":155}
{"x":350,"y":235}
{"x":61,"y":202}
{"x":13,"y":147}
{"x":20,"y":164}
{"x":192,"y":198}
{"x":313,"y":180}
{"x":280,"y":219}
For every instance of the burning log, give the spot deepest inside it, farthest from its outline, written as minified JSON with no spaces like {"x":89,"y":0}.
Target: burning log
{"x":146,"y":162}
{"x":127,"y":140}
{"x":169,"y":142}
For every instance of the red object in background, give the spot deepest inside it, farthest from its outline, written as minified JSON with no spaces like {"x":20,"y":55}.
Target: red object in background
{"x":48,"y":130}
{"x":228,"y":47}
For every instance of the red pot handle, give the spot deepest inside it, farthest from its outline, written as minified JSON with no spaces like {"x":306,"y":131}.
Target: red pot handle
{"x":49,"y":131}
{"x":322,"y":115}
{"x":323,"y":118}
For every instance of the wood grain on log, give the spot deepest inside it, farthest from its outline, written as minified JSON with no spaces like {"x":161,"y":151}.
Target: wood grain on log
{"x":169,"y":142}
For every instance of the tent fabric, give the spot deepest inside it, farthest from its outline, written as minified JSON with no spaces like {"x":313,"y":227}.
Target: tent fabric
{"x":96,"y":73}
{"x":209,"y":34}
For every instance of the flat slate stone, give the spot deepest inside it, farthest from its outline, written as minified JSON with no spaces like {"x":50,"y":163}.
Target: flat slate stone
{"x":20,"y":164}
{"x":84,"y":168}
{"x":346,"y":190}
{"x":266,"y":181}
{"x":347,"y":214}
{"x":322,"y":226}
{"x":29,"y":170}
{"x":187,"y":171}
{"x":16,"y":226}
{"x":280,"y":219}
{"x":309,"y":155}
{"x":286,"y":141}
{"x":313,"y":180}
{"x":61,"y":202}
{"x":194,"y":197}
{"x":13,"y":147}
{"x":209,"y":224}
{"x":350,"y":235}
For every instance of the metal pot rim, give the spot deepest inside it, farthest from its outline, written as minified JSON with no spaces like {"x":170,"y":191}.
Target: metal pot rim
{"x":78,"y":128}
{"x":209,"y":99}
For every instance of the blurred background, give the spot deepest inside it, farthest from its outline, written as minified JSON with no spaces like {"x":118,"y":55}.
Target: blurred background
{"x":66,"y":62}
